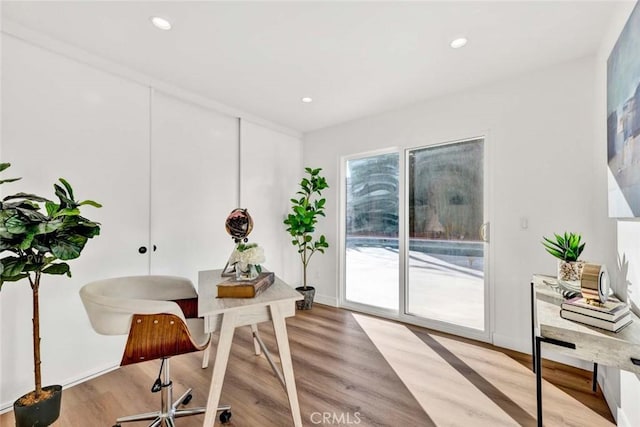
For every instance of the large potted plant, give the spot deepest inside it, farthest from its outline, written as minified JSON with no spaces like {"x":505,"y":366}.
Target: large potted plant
{"x":567,"y":248}
{"x":36,"y":242}
{"x":301,"y":225}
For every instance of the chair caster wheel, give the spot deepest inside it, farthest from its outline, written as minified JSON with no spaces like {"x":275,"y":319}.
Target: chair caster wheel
{"x":225,"y":416}
{"x":187,"y":399}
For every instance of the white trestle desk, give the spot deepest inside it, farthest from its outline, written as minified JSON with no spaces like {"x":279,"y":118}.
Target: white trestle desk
{"x":275,"y":304}
{"x":621,"y":350}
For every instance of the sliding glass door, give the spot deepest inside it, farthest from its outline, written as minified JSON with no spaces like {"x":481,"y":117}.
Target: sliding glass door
{"x":372,"y":261}
{"x":445,"y":280}
{"x":415,"y":236}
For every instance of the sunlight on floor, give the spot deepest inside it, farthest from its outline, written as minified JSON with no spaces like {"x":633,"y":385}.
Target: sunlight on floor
{"x":458,"y":383}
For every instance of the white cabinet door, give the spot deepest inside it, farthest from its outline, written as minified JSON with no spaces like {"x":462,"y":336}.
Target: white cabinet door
{"x":64,"y":119}
{"x":194,"y":186}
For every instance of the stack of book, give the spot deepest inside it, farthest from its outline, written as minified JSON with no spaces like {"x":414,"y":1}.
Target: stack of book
{"x":612,"y":315}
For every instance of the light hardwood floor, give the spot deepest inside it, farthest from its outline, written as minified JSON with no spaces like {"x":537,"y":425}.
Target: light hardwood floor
{"x":349,"y":369}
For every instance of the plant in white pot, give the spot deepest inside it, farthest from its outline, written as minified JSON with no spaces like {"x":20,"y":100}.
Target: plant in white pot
{"x":34,"y":242}
{"x":301,"y":223}
{"x":567,"y":248}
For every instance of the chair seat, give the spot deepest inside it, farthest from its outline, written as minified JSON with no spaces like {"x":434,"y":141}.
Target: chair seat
{"x":196,"y":328}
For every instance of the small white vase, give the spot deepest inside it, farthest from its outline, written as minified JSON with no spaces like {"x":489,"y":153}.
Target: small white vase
{"x":570,"y":271}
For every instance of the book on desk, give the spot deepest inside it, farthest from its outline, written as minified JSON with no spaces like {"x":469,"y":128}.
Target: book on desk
{"x":611,"y":310}
{"x":612,"y":315}
{"x":234,"y":288}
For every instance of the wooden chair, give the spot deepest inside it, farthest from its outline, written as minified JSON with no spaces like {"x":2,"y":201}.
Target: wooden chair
{"x":159,"y":314}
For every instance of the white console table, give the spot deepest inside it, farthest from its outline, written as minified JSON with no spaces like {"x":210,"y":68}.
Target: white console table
{"x":621,"y":349}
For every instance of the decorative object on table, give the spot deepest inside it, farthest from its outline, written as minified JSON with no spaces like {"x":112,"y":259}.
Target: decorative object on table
{"x":567,"y":248}
{"x":594,"y":282}
{"x":246,"y":259}
{"x":566,"y":289}
{"x":36,"y":242}
{"x":611,"y":310}
{"x":623,"y":125}
{"x":233,"y":288}
{"x":613,"y":326}
{"x":239,"y":225}
{"x":301,"y":225}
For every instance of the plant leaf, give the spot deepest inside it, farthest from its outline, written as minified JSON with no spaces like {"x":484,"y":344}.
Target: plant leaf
{"x":90,"y":203}
{"x":61,"y":268}
{"x":67,"y":186}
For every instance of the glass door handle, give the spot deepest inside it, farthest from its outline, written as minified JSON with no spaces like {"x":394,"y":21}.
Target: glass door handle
{"x":484,"y":232}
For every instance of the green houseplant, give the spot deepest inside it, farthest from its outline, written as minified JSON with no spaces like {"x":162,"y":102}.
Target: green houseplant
{"x":301,"y":225}
{"x":567,"y":248}
{"x":34,"y":242}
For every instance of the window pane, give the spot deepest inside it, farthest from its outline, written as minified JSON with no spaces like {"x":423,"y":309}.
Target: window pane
{"x":446,"y":252}
{"x":372,"y":259}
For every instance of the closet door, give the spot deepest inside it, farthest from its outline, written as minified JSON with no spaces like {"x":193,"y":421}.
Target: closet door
{"x":194,"y":186}
{"x":64,"y":119}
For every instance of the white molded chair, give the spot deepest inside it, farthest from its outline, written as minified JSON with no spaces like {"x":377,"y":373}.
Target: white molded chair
{"x":159,"y":315}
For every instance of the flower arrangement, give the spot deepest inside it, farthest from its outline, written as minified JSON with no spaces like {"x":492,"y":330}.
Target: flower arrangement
{"x":247,"y":257}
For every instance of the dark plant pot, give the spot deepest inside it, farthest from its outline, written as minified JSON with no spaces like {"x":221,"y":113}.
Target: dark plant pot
{"x":41,"y":414}
{"x":309,"y":292}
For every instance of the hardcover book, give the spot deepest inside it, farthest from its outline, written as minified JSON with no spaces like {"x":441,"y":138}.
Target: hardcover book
{"x":233,"y":288}
{"x":611,"y":310}
{"x":598,"y":323}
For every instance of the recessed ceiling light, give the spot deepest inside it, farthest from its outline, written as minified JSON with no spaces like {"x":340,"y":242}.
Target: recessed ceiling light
{"x":161,"y":23}
{"x":459,"y":42}
{"x":307,"y":100}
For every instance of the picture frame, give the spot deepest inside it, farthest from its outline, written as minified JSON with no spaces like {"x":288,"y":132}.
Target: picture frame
{"x":623,"y":121}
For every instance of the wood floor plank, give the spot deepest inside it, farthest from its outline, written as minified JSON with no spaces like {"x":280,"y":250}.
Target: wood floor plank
{"x":340,"y":373}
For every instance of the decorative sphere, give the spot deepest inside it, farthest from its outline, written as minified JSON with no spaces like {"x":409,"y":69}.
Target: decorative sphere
{"x":239,"y":224}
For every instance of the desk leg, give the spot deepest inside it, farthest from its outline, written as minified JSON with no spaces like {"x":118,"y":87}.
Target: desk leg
{"x":220,"y":366}
{"x":533,"y":327}
{"x":280,"y":329}
{"x":594,"y":385}
{"x":538,"y":371}
{"x":256,"y":344}
{"x":538,"y":367}
{"x":205,"y":356}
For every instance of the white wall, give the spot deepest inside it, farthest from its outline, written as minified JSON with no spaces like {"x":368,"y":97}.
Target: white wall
{"x":541,"y":143}
{"x":95,"y":121}
{"x":621,"y":388}
{"x":269,"y":176}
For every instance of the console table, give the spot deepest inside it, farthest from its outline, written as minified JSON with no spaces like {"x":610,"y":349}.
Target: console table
{"x":621,"y":349}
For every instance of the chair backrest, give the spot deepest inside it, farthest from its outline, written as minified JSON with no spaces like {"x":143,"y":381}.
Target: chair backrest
{"x":111,"y":303}
{"x":143,"y":308}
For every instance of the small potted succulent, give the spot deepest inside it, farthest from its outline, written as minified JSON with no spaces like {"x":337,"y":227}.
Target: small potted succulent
{"x":301,"y":225}
{"x":36,"y":240}
{"x":567,"y":248}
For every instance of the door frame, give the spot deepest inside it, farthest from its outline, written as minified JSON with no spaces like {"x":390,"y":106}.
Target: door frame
{"x":403,"y":236}
{"x":342,"y":232}
{"x":482,"y":335}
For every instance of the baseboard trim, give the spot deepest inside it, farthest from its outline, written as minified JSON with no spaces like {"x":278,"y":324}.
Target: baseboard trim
{"x":70,"y":382}
{"x":609,"y":395}
{"x":621,"y":418}
{"x":506,"y":341}
{"x":322,"y":299}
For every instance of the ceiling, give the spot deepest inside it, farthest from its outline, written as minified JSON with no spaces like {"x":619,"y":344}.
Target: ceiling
{"x":353,"y":58}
